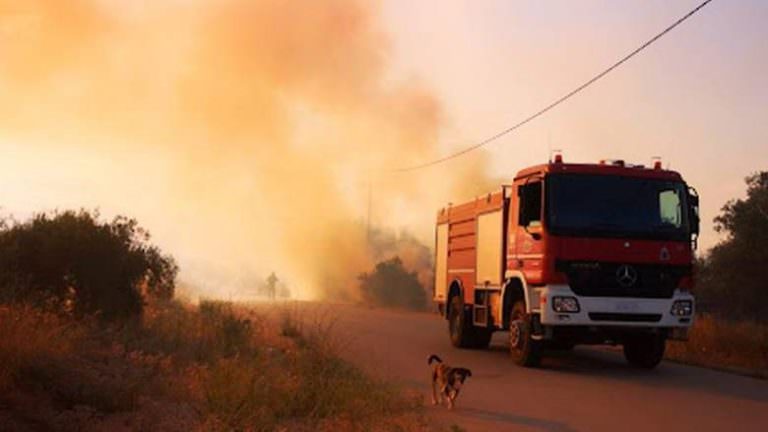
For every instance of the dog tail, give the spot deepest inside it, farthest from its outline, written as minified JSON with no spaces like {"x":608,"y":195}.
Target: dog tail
{"x":432,"y":358}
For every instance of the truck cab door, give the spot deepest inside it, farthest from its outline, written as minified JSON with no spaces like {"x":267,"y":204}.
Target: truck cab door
{"x":528,"y":231}
{"x":441,"y":263}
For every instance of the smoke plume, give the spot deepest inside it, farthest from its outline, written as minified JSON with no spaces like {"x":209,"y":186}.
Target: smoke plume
{"x":248,"y":136}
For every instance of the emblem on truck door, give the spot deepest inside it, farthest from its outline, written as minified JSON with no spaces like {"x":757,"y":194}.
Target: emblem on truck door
{"x":664,"y":254}
{"x":626,"y":276}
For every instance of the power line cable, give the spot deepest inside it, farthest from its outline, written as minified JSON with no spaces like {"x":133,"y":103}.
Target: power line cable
{"x":556,"y":102}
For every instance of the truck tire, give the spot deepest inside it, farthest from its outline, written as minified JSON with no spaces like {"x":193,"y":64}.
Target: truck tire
{"x":560,"y":345}
{"x":463,"y":333}
{"x":524,"y":350}
{"x":644,"y":351}
{"x":458,"y":325}
{"x":481,"y":338}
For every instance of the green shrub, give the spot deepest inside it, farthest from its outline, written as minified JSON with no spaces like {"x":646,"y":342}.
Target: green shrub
{"x":732,"y":277}
{"x":392,"y":285}
{"x":72,"y":261}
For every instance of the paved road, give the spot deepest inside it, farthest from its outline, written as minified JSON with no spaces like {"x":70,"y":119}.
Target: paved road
{"x":585,"y":390}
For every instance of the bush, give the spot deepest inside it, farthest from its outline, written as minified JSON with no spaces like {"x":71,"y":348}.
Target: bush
{"x":719,"y":343}
{"x":392,"y":285}
{"x":300,"y":388}
{"x":32,"y":339}
{"x":212,"y":332}
{"x":74,"y":262}
{"x":182,"y":368}
{"x":732,"y":278}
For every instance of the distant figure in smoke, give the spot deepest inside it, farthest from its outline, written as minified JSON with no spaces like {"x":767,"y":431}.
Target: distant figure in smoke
{"x":271,"y":285}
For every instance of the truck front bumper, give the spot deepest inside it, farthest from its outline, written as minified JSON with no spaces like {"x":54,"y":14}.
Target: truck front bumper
{"x":613,"y":311}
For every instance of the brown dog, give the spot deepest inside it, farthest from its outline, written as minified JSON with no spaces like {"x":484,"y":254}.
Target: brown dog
{"x":448,"y":379}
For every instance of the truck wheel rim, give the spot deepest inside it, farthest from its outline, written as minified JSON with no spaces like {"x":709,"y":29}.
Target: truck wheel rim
{"x":455,"y":324}
{"x":515,"y":335}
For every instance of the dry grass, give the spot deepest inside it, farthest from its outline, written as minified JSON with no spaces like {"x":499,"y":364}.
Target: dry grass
{"x":299,"y":383}
{"x":31,"y":339}
{"x":739,"y":346}
{"x":214,"y":367}
{"x":192,"y":335}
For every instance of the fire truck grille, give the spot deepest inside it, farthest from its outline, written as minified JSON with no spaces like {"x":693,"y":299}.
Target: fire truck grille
{"x":624,"y":317}
{"x":605,"y":279}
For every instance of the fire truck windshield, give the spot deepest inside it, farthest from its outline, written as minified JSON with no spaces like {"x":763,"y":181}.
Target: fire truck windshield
{"x":614,"y":206}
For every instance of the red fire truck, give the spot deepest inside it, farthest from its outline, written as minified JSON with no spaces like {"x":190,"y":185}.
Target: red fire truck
{"x":571,"y":254}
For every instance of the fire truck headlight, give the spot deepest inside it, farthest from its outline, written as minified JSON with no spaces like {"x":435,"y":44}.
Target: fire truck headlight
{"x":565,"y":304}
{"x":682,"y":308}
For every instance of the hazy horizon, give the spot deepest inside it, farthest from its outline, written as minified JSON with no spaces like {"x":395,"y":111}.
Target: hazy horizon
{"x":244,"y":135}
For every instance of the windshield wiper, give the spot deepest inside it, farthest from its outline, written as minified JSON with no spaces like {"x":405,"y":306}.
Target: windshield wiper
{"x":666,"y":227}
{"x":607,"y":225}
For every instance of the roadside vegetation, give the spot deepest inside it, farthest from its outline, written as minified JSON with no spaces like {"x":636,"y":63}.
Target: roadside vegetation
{"x":732,"y":282}
{"x":391,"y":285}
{"x":107,"y":348}
{"x":71,"y":261}
{"x":738,"y":346}
{"x":731,"y":329}
{"x":211,"y":367}
{"x":402,"y":276}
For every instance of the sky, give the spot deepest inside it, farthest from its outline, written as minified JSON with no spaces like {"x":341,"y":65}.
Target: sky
{"x":697,"y":98}
{"x":248,"y":136}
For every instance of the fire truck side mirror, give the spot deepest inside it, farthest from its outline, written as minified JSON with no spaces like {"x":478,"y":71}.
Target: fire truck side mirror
{"x":693,"y":211}
{"x":534,"y":229}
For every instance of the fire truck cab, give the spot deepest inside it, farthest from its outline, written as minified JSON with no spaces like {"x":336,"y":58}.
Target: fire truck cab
{"x":571,"y":254}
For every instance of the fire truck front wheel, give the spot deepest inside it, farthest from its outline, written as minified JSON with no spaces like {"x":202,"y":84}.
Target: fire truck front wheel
{"x":524,"y":349}
{"x":463,"y":333}
{"x":644,"y":350}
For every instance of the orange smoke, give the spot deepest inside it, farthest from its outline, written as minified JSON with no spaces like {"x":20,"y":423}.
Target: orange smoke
{"x":268,"y":119}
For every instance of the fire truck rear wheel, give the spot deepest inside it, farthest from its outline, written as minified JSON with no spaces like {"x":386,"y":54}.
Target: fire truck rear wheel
{"x":524,"y":350}
{"x":463,"y":333}
{"x":560,"y":345}
{"x":481,"y":337}
{"x":644,"y":351}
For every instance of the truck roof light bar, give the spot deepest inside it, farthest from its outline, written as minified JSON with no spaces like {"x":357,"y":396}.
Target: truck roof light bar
{"x":614,"y":162}
{"x":558,"y":157}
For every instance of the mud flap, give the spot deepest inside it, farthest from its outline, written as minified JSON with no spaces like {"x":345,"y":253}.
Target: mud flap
{"x":538,"y":330}
{"x":678,"y":333}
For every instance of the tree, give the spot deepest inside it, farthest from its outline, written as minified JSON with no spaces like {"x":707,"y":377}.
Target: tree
{"x":71,"y":259}
{"x":733,"y":279}
{"x":391,"y":284}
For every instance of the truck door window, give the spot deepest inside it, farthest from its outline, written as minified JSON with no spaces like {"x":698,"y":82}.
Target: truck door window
{"x":670,"y":208}
{"x":530,"y":203}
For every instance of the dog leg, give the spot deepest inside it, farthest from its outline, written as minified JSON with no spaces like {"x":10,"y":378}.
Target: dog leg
{"x":454,"y":395}
{"x":445,"y":395}
{"x":434,"y":388}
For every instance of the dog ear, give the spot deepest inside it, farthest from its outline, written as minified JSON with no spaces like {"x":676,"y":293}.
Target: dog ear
{"x":432,"y":358}
{"x":463,"y":373}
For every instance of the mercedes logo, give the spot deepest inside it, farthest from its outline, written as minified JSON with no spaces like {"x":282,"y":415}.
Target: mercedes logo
{"x":626,"y":276}
{"x":664,"y":254}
